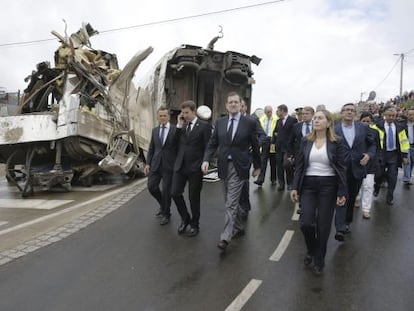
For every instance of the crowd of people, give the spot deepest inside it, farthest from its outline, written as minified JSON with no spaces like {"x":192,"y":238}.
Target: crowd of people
{"x":324,"y":164}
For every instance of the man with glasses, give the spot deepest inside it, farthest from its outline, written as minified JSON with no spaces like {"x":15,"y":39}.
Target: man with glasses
{"x":359,"y":143}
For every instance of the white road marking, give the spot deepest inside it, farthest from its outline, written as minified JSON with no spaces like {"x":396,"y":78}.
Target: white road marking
{"x":32,"y":203}
{"x":2,"y":223}
{"x":69,"y":209}
{"x":295,"y":215}
{"x":284,"y":243}
{"x":238,"y":303}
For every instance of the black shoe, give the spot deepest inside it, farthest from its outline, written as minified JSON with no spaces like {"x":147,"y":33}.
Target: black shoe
{"x":347,"y":230}
{"x":390,"y":202}
{"x":238,"y":233}
{"x":376,"y":192}
{"x":317,"y":270}
{"x":308,"y":260}
{"x":159,"y":213}
{"x":193,"y":232}
{"x":244,"y":216}
{"x":299,"y":211}
{"x":164,"y":220}
{"x":258,"y":183}
{"x":222,"y":245}
{"x":339,"y":236}
{"x":182,"y":227}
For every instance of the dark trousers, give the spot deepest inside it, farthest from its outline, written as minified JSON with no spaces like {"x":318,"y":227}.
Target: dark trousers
{"x":318,"y":201}
{"x":163,"y":197}
{"x":345,"y":214}
{"x":195,"y":183}
{"x":282,"y":167}
{"x":267,"y":157}
{"x":388,"y":170}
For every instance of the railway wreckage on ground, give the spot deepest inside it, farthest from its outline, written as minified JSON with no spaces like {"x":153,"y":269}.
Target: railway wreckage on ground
{"x":85,"y":115}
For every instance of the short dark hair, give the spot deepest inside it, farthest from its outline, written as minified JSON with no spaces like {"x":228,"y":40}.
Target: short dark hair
{"x":162,"y":108}
{"x":233,"y":93}
{"x":283,"y":108}
{"x":348,"y":104}
{"x":189,"y":104}
{"x":365,"y":114}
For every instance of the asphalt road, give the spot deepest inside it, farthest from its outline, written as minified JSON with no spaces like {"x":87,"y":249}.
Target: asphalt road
{"x":127,"y":261}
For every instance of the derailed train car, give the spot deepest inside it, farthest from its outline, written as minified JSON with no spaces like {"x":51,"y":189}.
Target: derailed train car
{"x":85,"y":115}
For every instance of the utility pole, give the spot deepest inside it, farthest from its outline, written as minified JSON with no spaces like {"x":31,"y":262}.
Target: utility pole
{"x":401,"y":71}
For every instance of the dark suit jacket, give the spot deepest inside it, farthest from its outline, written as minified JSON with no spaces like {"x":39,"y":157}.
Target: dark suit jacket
{"x":336,"y":157}
{"x":191,"y":147}
{"x":162,"y":156}
{"x":399,"y":127}
{"x":282,"y":133}
{"x":245,"y":138}
{"x":295,"y":139}
{"x":364,"y":142}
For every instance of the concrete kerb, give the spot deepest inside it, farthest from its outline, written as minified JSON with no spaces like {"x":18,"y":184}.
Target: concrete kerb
{"x":121,"y":196}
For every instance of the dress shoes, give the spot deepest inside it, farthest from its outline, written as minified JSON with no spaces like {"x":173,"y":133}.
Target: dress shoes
{"x":317,"y":270}
{"x":158,"y":213}
{"x":192,"y":232}
{"x":308,"y":260}
{"x":339,"y":236}
{"x":238,"y":233}
{"x":390,"y":202}
{"x":222,"y":245}
{"x":258,"y":183}
{"x":347,"y":230}
{"x":408,"y":183}
{"x":164,"y":220}
{"x":182,"y":227}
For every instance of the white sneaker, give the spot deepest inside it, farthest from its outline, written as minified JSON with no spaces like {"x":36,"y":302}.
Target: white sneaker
{"x":366,"y":215}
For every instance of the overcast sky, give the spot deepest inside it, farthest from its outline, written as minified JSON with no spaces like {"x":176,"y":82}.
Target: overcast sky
{"x":314,"y":51}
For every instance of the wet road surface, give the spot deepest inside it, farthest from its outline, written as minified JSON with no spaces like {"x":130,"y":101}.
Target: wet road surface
{"x":127,"y":261}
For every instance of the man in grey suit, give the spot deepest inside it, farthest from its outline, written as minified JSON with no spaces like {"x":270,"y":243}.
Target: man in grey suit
{"x":233,"y":136}
{"x":161,"y":156}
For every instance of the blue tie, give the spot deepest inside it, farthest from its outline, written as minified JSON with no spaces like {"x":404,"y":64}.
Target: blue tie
{"x":307,"y":130}
{"x":390,"y":142}
{"x":162,"y":134}
{"x":230,"y":131}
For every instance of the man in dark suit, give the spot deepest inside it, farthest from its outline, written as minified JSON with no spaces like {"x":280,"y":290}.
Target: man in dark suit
{"x":234,"y":135}
{"x":394,"y":148}
{"x":360,"y":147}
{"x":160,"y":163}
{"x":193,"y":139}
{"x":281,"y":137}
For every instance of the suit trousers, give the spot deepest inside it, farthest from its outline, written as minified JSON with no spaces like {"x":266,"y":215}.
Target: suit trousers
{"x":282,"y":167}
{"x":195,"y":184}
{"x":345,"y":214}
{"x":233,"y":185}
{"x":267,"y":156}
{"x":318,"y":200}
{"x":163,"y":197}
{"x":388,"y":169}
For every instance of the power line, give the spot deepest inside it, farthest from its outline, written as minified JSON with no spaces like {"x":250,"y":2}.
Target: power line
{"x":388,"y":74}
{"x":156,"y":22}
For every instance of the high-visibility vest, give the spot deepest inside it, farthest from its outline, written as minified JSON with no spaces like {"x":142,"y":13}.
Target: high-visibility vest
{"x":263,"y":120}
{"x":402,"y":138}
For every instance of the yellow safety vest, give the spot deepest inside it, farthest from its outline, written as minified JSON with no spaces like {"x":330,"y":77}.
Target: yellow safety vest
{"x":263,"y":120}
{"x":402,"y":138}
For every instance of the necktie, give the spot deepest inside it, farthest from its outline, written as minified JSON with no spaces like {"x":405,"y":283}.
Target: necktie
{"x":188,"y":128}
{"x":230,"y":131}
{"x":307,"y":130}
{"x":162,"y":135}
{"x":390,"y":140}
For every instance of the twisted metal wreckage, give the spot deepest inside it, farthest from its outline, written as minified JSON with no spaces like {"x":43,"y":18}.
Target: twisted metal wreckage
{"x":85,"y":115}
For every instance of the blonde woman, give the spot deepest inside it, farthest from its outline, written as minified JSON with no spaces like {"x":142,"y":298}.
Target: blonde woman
{"x":319,"y":184}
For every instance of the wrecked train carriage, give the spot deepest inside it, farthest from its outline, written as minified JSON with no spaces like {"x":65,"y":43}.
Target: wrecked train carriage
{"x":73,"y":120}
{"x":189,"y":72}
